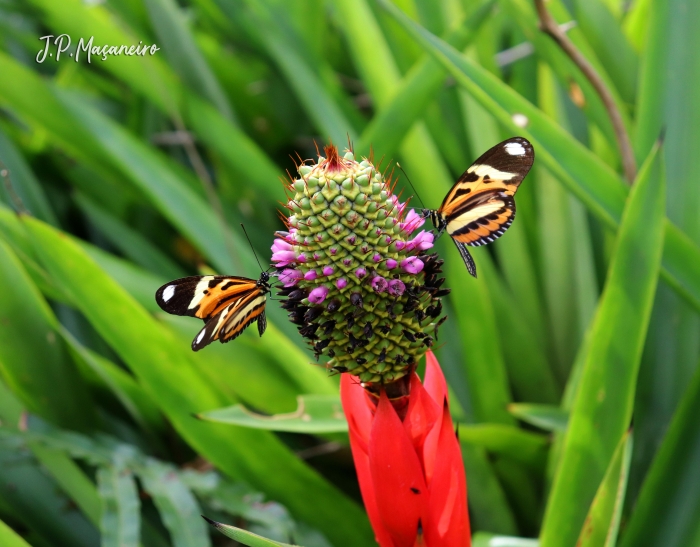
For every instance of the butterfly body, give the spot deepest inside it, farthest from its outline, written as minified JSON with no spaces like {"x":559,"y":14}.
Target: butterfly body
{"x":480,"y":206}
{"x":226,"y":304}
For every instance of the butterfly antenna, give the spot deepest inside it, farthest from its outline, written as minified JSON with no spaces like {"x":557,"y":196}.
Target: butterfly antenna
{"x":409,"y":182}
{"x":251,"y":246}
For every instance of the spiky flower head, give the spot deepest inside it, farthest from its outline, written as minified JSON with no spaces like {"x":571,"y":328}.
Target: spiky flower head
{"x":355,"y":273}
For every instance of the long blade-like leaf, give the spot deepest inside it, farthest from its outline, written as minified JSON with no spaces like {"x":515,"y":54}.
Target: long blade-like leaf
{"x":598,"y":187}
{"x":602,"y":407}
{"x":168,"y":374}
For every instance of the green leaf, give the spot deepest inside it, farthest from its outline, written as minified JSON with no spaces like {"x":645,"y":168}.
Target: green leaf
{"x":666,"y":510}
{"x":179,"y":46}
{"x":146,"y":74}
{"x":505,"y":440}
{"x":38,"y":504}
{"x":244,"y":537}
{"x":23,"y":182}
{"x":132,"y":397}
{"x":237,"y":149}
{"x":610,"y":44}
{"x":418,"y":88}
{"x":602,"y":408}
{"x":71,"y":478}
{"x":327,"y":116}
{"x":489,"y":540}
{"x":164,"y":368}
{"x":603,"y":520}
{"x":547,"y":417}
{"x":483,"y":359}
{"x":314,"y":414}
{"x":488,"y":505}
{"x":673,"y":349}
{"x":594,"y":183}
{"x":34,"y":360}
{"x":131,"y":243}
{"x":121,"y":519}
{"x":177,"y":506}
{"x":9,"y":538}
{"x":281,"y":370}
{"x":527,"y":363}
{"x":380,"y":74}
{"x":152,"y":174}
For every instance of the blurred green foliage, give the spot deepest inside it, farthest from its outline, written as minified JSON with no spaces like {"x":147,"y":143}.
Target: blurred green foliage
{"x":134,"y":170}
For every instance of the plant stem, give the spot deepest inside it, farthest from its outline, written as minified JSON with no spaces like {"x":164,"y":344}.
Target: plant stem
{"x":549,"y":26}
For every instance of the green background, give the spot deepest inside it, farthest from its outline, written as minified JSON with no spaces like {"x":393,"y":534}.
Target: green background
{"x":572,"y":359}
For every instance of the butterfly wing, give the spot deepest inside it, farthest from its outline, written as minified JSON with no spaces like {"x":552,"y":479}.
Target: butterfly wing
{"x":226,"y":304}
{"x":480,"y":205}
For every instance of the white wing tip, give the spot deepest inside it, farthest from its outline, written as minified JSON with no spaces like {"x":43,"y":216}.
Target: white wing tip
{"x":168,"y":292}
{"x":515,"y":149}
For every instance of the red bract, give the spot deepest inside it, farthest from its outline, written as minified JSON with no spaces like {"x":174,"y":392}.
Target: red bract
{"x":410,"y":471}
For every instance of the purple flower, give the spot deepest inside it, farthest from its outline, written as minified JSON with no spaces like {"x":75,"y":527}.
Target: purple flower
{"x":310,"y":275}
{"x":283,"y":258}
{"x":289,"y":277}
{"x":379,"y":284}
{"x":360,"y":273}
{"x":399,"y":244}
{"x":328,"y":270}
{"x":301,"y":257}
{"x":422,"y":241}
{"x":412,"y":222}
{"x":318,"y":295}
{"x":341,"y":283}
{"x":281,"y":245}
{"x":396,"y":287}
{"x":377,"y":257}
{"x":391,"y":263}
{"x":412,"y":265}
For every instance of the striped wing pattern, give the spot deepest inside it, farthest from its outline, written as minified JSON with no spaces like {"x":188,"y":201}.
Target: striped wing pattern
{"x":226,"y":304}
{"x":480,"y":206}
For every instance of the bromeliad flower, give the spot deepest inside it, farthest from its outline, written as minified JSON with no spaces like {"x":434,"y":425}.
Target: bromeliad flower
{"x":363,"y":291}
{"x":357,"y":280}
{"x":409,"y":462}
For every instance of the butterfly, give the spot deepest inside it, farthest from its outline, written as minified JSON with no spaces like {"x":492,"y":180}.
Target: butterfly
{"x":480,"y":206}
{"x":227,"y":304}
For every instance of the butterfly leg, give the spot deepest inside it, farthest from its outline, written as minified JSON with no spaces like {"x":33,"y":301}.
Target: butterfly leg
{"x":262,"y":323}
{"x":467,"y":257}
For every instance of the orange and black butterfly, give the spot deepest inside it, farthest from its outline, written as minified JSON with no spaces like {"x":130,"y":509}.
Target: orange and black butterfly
{"x":227,"y":304}
{"x":480,"y":206}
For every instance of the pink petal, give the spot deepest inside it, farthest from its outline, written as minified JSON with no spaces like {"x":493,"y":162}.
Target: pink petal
{"x":379,"y":284}
{"x":289,"y":277}
{"x":396,"y":287}
{"x":281,"y":245}
{"x":412,"y":265}
{"x":318,"y":295}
